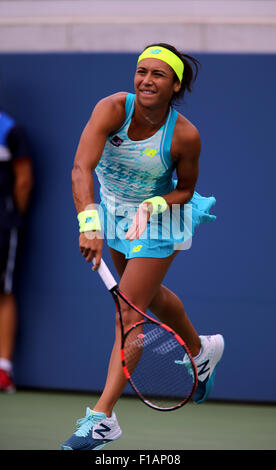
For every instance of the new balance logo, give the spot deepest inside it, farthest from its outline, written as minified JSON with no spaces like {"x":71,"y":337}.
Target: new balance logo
{"x":202,"y":368}
{"x":149,"y":152}
{"x":102,"y":430}
{"x":155,"y":51}
{"x":137,"y":248}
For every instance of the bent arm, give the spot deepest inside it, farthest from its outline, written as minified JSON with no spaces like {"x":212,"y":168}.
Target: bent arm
{"x":187,"y":150}
{"x":106,"y":118}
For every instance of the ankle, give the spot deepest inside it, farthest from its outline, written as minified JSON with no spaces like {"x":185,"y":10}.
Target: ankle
{"x":195,"y":348}
{"x":106,"y":411}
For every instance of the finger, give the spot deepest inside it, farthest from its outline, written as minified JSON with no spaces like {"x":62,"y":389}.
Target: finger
{"x":90,"y":256}
{"x":137,"y":233}
{"x":140,"y":227}
{"x":129,"y":235}
{"x":131,"y":232}
{"x":132,"y":235}
{"x":143,"y":222}
{"x":84,"y":252}
{"x":140,"y":231}
{"x":97,"y":263}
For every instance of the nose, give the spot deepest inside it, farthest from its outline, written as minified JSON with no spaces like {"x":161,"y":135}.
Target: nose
{"x":147,"y":80}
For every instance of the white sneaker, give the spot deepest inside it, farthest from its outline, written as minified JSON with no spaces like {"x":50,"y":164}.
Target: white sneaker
{"x":94,"y":431}
{"x":212,"y":348}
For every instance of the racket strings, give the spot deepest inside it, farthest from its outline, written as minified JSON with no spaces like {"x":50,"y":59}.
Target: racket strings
{"x":161,"y":371}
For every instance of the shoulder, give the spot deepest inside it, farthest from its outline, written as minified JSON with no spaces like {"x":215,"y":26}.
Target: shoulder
{"x":186,"y":138}
{"x":114,"y":102}
{"x":110,"y":109}
{"x":185,"y":131}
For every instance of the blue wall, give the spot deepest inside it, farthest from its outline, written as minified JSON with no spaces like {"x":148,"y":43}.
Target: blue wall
{"x":227,"y":279}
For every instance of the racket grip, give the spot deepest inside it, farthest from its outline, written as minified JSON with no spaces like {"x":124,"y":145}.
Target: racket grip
{"x":106,"y":275}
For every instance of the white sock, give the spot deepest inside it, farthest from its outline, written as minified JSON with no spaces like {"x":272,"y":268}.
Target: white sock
{"x":5,"y":364}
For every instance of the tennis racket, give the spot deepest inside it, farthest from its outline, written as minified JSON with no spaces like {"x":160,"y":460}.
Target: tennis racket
{"x":156,"y":361}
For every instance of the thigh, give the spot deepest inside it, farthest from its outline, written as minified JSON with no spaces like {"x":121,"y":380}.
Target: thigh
{"x":142,"y":278}
{"x":119,"y":261}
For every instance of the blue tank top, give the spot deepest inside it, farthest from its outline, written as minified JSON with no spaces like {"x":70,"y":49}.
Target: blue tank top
{"x":132,"y":171}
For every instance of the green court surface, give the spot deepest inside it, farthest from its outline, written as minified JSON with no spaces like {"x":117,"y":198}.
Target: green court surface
{"x":41,"y":420}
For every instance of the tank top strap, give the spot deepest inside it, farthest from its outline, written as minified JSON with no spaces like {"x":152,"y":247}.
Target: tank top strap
{"x":166,"y":142}
{"x":129,"y":108}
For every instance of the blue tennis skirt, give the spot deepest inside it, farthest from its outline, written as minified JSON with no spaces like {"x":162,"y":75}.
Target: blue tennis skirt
{"x":167,"y":232}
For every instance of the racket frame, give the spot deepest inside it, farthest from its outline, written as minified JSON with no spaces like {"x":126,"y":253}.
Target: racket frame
{"x":116,"y":293}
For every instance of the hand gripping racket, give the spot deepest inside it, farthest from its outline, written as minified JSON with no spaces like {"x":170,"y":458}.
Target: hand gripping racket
{"x":156,"y":361}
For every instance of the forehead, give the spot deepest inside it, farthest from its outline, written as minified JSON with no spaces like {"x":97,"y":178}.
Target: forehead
{"x":154,"y":64}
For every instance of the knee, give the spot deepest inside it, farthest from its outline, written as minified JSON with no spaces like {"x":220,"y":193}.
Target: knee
{"x":158,"y":299}
{"x":129,"y":317}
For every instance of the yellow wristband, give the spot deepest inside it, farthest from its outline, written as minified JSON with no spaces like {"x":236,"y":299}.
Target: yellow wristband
{"x":158,"y":203}
{"x":89,"y":220}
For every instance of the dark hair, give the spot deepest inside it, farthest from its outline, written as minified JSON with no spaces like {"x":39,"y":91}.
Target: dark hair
{"x":191,"y":67}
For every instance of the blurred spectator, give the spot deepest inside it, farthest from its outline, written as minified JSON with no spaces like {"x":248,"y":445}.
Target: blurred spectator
{"x":16,"y":182}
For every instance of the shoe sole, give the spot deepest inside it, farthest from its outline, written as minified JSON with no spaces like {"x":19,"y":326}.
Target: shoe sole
{"x":100,"y":447}
{"x":64,"y":447}
{"x":221,"y":342}
{"x":95,"y":448}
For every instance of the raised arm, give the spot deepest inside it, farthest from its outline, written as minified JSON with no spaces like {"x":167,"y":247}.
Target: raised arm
{"x":106,"y":118}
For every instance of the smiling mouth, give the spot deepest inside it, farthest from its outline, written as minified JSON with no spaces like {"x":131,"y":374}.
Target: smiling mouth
{"x":147,"y":92}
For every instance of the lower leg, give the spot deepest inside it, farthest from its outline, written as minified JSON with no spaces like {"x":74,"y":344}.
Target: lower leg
{"x":115,"y":382}
{"x":169,"y":309}
{"x":140,"y":284}
{"x":7,"y":325}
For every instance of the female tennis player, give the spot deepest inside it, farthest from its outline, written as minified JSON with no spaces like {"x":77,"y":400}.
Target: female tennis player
{"x":134,"y":143}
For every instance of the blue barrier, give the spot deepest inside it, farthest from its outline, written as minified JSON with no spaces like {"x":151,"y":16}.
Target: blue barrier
{"x":226,"y":280}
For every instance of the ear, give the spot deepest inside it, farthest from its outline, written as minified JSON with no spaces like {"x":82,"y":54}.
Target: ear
{"x":176,"y":87}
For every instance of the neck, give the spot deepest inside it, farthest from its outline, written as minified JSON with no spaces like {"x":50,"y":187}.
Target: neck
{"x":154,"y":121}
{"x":151,"y":117}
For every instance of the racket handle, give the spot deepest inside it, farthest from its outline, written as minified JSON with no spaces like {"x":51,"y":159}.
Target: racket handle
{"x":106,"y":275}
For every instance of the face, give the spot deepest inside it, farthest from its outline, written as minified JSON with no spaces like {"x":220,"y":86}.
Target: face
{"x":154,"y":82}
